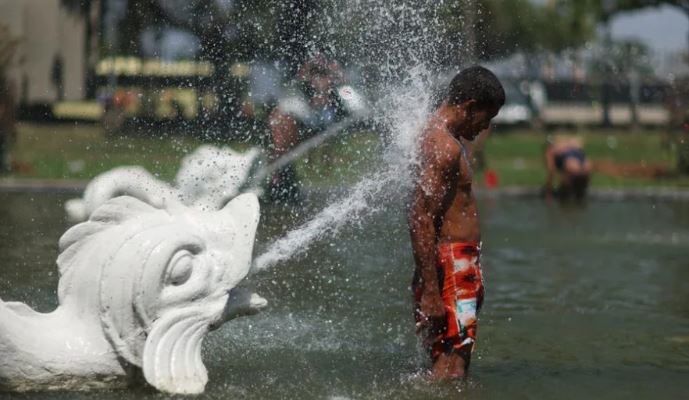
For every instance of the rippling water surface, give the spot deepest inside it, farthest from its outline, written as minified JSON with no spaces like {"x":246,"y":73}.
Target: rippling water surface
{"x":581,"y":302}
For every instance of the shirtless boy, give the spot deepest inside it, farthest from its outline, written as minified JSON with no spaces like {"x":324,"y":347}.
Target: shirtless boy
{"x":444,"y":225}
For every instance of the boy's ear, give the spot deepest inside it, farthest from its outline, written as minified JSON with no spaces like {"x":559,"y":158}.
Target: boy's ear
{"x":470,"y":106}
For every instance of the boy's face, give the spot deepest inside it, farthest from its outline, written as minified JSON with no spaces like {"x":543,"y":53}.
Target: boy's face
{"x":476,"y":119}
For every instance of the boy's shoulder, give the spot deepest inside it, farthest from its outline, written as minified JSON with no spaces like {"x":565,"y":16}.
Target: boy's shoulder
{"x":439,"y":144}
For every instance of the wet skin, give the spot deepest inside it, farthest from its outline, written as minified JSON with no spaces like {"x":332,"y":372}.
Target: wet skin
{"x":443,"y":209}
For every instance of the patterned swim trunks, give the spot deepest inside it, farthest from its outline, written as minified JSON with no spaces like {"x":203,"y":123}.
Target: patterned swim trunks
{"x":459,"y":275}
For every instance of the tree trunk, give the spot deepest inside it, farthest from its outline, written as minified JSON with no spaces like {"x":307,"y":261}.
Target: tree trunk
{"x":93,"y":34}
{"x":607,"y":75}
{"x":634,"y":98}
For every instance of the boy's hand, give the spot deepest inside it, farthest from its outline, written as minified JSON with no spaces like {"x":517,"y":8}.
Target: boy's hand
{"x":431,"y":304}
{"x":432,"y":318}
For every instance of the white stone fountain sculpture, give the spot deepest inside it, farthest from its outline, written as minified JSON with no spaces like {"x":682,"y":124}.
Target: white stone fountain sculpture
{"x":139,"y":289}
{"x":207,"y":179}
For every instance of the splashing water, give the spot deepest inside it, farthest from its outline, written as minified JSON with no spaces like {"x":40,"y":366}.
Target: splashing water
{"x":409,"y":106}
{"x":406,"y":60}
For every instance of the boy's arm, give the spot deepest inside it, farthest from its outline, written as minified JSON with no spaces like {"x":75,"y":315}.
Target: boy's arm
{"x":438,"y":163}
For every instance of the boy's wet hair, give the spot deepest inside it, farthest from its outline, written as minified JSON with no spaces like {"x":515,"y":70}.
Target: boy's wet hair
{"x":476,"y":83}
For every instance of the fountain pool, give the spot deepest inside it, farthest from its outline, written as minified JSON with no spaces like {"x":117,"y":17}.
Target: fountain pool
{"x":580,"y":302}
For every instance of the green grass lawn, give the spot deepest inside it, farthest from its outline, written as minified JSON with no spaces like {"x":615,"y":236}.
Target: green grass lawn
{"x":517,"y":157}
{"x":81,"y":151}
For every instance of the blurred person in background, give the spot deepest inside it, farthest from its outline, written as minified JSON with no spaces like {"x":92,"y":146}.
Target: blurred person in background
{"x":312,"y":104}
{"x":565,"y":157}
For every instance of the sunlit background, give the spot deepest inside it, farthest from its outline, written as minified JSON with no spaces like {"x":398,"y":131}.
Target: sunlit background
{"x":583,"y":300}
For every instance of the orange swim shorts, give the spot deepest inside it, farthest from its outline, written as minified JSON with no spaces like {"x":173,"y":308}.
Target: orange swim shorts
{"x":461,"y":284}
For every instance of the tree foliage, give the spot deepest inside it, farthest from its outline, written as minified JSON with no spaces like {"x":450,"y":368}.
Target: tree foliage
{"x":627,"y":5}
{"x":8,"y":45}
{"x":77,"y":6}
{"x":502,"y":27}
{"x":283,"y":29}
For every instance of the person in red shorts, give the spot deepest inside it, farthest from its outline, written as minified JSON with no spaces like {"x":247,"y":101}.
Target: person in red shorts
{"x":444,"y":225}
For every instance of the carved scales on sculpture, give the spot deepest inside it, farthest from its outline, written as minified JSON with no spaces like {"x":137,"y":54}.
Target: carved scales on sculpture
{"x":139,"y":288}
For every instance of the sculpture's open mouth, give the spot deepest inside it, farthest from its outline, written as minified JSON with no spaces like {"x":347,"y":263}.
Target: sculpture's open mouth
{"x":241,"y":302}
{"x":172,"y":353}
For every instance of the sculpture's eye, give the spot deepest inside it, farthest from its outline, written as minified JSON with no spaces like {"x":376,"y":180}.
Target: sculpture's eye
{"x":180,"y":268}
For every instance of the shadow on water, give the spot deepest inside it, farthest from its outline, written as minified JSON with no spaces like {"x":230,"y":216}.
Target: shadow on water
{"x":580,"y":302}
